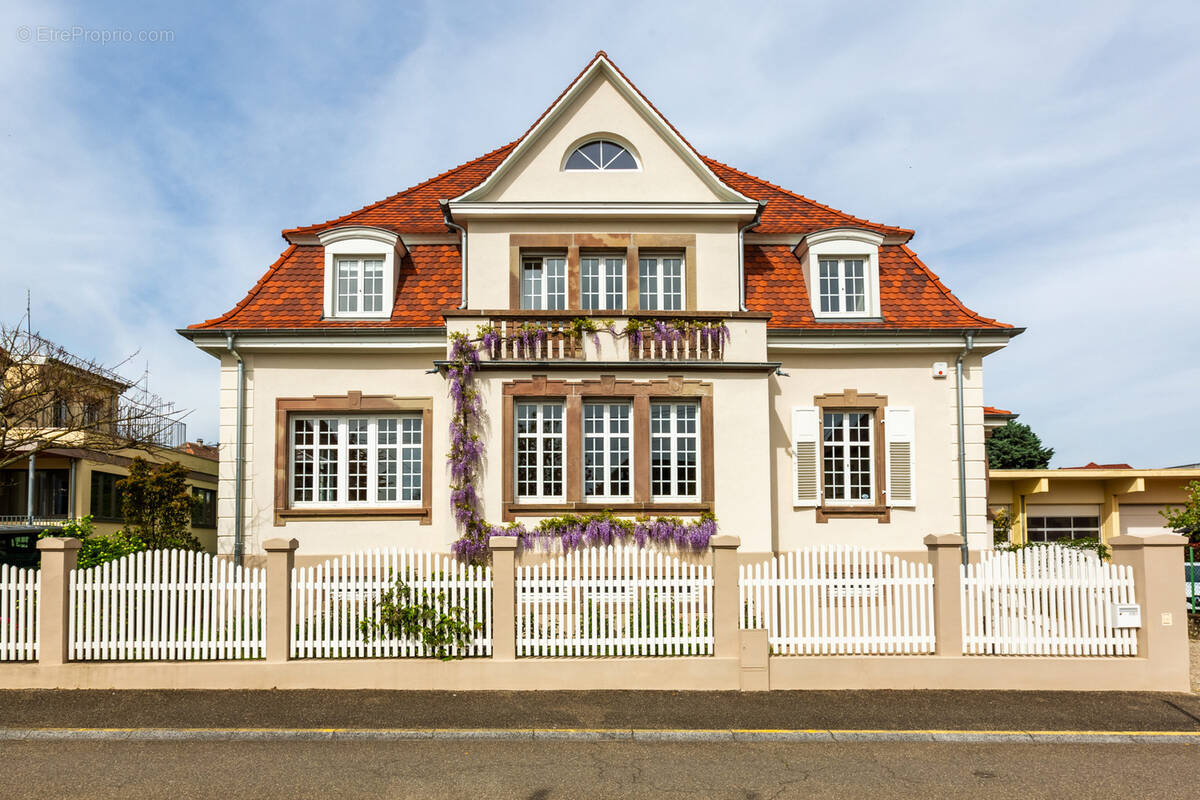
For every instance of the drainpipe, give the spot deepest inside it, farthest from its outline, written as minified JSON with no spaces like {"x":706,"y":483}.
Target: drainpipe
{"x":462,"y":250}
{"x":71,"y":489}
{"x":29,"y":484}
{"x":969,"y":341}
{"x":741,"y":245}
{"x":239,"y":448}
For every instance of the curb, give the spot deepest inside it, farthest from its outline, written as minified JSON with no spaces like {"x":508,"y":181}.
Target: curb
{"x":592,"y":735}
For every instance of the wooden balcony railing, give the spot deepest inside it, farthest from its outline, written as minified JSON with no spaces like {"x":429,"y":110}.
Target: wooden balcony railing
{"x":690,"y":346}
{"x":556,"y":336}
{"x":526,"y":339}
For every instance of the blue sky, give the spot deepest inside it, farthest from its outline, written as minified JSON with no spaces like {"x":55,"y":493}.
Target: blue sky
{"x":1046,"y":155}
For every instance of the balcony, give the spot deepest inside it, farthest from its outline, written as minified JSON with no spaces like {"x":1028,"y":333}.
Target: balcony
{"x":575,"y":337}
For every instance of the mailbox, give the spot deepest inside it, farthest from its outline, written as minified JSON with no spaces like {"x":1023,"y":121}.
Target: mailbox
{"x":1126,"y":615}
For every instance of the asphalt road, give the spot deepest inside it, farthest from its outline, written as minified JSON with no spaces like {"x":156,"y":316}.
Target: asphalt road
{"x":890,"y":710}
{"x":593,"y":770}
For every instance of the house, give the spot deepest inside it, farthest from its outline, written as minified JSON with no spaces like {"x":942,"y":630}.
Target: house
{"x":1092,"y":501}
{"x":659,"y":334}
{"x":71,"y":429}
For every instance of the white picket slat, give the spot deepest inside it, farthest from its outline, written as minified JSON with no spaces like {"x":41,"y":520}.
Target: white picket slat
{"x":1051,"y":601}
{"x":18,"y":603}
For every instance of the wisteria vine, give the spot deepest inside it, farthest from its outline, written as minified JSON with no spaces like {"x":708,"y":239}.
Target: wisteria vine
{"x":572,"y":531}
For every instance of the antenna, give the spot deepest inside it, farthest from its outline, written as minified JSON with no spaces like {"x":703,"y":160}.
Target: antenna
{"x":28,"y":315}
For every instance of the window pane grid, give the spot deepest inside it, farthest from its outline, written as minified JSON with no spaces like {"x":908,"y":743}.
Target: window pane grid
{"x":540,"y":448}
{"x":842,"y":285}
{"x":674,"y":452}
{"x":544,"y":283}
{"x":660,"y":283}
{"x":606,"y":453}
{"x":602,"y":283}
{"x":359,"y":285}
{"x":335,"y":461}
{"x":1054,"y":529}
{"x":847,"y":459}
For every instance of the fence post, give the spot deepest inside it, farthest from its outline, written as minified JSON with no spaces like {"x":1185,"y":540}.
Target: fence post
{"x":945,"y":555}
{"x":1158,"y":586}
{"x":281,"y":558}
{"x":59,"y":556}
{"x":504,"y":597}
{"x":726,"y":627}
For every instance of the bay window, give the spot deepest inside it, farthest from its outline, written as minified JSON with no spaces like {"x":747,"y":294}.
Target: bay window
{"x":602,"y":283}
{"x":606,"y":451}
{"x":660,"y":283}
{"x":540,"y":447}
{"x":356,"y":460}
{"x":544,"y":283}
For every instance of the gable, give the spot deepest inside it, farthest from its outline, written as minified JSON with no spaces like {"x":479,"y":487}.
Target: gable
{"x":601,"y":104}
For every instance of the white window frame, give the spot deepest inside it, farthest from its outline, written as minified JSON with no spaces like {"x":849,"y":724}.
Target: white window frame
{"x":342,"y":463}
{"x":845,"y":469}
{"x":358,"y":265}
{"x":608,"y":437}
{"x":360,"y":242}
{"x":610,"y":282}
{"x":841,"y":244}
{"x":1080,"y":532}
{"x":598,"y":167}
{"x":540,"y":437}
{"x":539,"y":300}
{"x":840,"y":294}
{"x":652,"y":283}
{"x":673,"y":437}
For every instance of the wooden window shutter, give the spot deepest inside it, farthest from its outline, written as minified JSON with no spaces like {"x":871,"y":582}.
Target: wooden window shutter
{"x":899,"y":430}
{"x":806,"y":472}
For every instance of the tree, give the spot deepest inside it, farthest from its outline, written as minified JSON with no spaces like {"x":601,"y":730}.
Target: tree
{"x":1016,"y":446}
{"x":157,"y":504}
{"x":51,"y":398}
{"x":1186,"y":520}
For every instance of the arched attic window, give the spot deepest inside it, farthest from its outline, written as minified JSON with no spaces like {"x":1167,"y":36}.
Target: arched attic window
{"x":600,"y":154}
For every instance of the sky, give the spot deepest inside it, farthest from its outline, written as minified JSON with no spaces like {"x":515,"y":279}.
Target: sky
{"x":1046,"y":154}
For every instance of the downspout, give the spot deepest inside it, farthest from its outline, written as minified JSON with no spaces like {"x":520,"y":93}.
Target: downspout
{"x":969,"y":341}
{"x":238,"y":449}
{"x":462,"y":250}
{"x":741,"y":245}
{"x":30,"y":482}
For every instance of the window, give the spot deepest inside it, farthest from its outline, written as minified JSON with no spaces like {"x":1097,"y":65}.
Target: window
{"x":204,"y":512}
{"x":600,"y":155}
{"x":674,"y":460}
{"x":544,"y":283}
{"x":848,"y":461}
{"x":602,"y":282}
{"x":106,"y":497}
{"x":356,"y":460}
{"x":359,"y":285}
{"x":1054,"y":529}
{"x":62,"y":413}
{"x":91,"y":414}
{"x":660,"y":283}
{"x":606,"y":454}
{"x":842,"y":285}
{"x":540,"y":445}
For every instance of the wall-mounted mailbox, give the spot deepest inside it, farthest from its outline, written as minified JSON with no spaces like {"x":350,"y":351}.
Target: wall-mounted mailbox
{"x":1127,"y":615}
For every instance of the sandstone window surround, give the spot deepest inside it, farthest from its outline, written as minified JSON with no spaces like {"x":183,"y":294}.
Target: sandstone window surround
{"x":641,"y":396}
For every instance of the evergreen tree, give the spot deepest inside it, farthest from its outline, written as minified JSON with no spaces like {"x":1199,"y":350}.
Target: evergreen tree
{"x":1016,"y":446}
{"x":157,"y":505}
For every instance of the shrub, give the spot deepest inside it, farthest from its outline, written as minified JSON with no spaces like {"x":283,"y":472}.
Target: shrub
{"x":97,"y":549}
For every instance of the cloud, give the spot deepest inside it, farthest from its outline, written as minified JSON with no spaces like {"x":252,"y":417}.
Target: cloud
{"x":1045,"y":154}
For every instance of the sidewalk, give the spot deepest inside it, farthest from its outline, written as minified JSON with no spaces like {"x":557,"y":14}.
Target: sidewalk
{"x":605,"y":711}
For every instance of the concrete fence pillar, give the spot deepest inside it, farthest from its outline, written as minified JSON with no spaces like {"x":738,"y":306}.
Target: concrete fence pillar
{"x":59,"y":556}
{"x":504,"y":597}
{"x":726,"y":612}
{"x":281,"y":558}
{"x":945,"y":556}
{"x":1158,"y":580}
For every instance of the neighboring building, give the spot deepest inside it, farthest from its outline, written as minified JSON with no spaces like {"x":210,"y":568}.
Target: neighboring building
{"x":75,"y":443}
{"x":1097,"y":500}
{"x":994,"y":418}
{"x":829,"y":415}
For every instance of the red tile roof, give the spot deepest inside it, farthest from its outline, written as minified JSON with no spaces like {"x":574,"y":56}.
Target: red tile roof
{"x":989,"y":411}
{"x":1094,"y":465}
{"x":289,"y":294}
{"x":911,"y":296}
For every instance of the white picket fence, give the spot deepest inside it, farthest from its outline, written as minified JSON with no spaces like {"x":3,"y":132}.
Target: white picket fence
{"x":1045,"y":601}
{"x":330,"y":601}
{"x":839,"y":599}
{"x":166,"y":605}
{"x":614,"y":601}
{"x":18,"y":607}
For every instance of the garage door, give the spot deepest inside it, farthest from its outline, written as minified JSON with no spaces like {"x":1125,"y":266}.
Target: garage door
{"x":1142,"y":520}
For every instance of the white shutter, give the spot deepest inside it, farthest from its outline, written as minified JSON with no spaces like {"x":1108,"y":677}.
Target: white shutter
{"x":899,"y":429}
{"x":806,"y":473}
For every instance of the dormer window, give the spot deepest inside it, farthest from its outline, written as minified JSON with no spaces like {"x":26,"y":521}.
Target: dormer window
{"x":600,"y":155}
{"x":841,"y":269}
{"x":359,"y":285}
{"x":360,"y":272}
{"x":842,"y":286}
